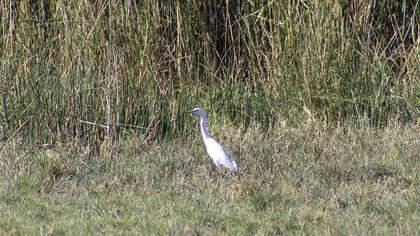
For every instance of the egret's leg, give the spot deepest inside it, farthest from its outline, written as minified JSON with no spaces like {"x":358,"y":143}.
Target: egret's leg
{"x":218,"y":168}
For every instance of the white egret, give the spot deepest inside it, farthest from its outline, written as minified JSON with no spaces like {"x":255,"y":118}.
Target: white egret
{"x":214,"y":149}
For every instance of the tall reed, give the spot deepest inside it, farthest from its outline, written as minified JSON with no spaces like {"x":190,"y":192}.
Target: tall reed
{"x":86,"y":70}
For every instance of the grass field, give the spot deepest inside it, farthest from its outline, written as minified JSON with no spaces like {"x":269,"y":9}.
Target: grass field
{"x":292,"y":181}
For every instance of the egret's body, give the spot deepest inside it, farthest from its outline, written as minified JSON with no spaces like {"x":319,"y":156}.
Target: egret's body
{"x":214,"y":149}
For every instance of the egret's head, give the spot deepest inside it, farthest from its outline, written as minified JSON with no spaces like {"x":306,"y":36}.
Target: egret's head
{"x":198,"y":111}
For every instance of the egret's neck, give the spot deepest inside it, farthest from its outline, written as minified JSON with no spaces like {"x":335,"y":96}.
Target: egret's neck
{"x":203,"y":127}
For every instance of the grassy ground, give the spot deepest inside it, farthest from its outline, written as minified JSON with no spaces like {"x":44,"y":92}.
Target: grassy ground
{"x":294,"y":180}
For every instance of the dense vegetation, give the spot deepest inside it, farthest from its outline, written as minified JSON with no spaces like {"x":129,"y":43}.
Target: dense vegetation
{"x":134,"y":66}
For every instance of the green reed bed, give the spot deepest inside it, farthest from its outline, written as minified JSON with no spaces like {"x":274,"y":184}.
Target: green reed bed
{"x":91,"y":69}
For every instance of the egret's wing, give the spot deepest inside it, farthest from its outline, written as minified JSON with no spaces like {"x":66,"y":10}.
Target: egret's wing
{"x":218,"y":154}
{"x":228,"y":161}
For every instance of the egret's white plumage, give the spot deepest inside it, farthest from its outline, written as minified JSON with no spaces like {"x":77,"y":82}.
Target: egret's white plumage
{"x":214,"y":149}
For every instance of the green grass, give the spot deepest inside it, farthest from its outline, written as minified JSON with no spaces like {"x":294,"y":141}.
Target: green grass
{"x":306,"y":180}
